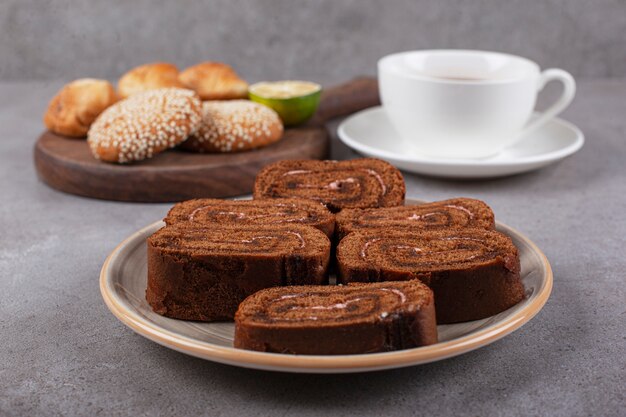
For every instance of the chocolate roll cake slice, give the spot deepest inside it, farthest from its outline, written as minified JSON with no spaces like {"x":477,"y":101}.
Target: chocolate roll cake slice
{"x":204,"y":272}
{"x":249,"y":212}
{"x":358,"y":183}
{"x":474,"y":273}
{"x":456,"y":213}
{"x":335,"y":320}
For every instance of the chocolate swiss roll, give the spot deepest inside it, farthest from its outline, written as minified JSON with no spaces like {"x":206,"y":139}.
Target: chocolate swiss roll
{"x":358,"y":183}
{"x":204,"y":272}
{"x":474,"y":273}
{"x":334,"y":320}
{"x":456,"y":213}
{"x":249,"y":212}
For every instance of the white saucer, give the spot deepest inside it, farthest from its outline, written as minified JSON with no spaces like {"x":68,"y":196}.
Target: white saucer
{"x":370,"y":133}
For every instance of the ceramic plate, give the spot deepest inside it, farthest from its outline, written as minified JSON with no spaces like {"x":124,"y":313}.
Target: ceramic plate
{"x":370,"y":133}
{"x":123,"y":286}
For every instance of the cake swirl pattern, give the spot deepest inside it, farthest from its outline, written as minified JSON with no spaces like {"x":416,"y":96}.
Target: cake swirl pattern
{"x":454,"y":213}
{"x":245,"y":241}
{"x":322,"y":305}
{"x":416,"y":253}
{"x":322,"y":320}
{"x":474,"y":273}
{"x":358,"y":183}
{"x":250,"y":212}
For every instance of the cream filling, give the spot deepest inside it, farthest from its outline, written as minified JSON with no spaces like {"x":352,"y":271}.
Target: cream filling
{"x":334,"y":185}
{"x":337,"y":306}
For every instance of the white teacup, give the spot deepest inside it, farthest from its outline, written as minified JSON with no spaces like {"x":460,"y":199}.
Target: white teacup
{"x":465,"y":104}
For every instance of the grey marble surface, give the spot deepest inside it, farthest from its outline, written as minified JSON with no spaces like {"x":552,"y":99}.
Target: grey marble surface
{"x":63,"y":353}
{"x":319,"y":40}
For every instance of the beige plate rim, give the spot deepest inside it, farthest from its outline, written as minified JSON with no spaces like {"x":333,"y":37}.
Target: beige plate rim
{"x":318,"y":363}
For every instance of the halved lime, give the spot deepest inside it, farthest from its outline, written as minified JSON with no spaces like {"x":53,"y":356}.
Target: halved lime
{"x":294,"y":101}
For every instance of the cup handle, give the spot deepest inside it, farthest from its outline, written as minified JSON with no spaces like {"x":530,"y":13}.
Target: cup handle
{"x":569,"y":89}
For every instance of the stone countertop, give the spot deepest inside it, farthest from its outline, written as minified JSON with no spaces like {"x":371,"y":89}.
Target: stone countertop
{"x":63,"y":353}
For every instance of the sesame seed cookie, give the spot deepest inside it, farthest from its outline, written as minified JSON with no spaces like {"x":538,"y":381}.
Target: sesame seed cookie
{"x":235,"y":126}
{"x":144,"y":125}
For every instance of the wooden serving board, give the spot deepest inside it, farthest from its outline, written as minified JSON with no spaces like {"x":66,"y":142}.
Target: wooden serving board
{"x":67,"y":164}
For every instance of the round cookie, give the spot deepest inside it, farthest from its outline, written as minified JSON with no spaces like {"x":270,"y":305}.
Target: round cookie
{"x":77,"y":105}
{"x":235,"y":126}
{"x":145,"y":124}
{"x":148,"y":77}
{"x":214,"y":81}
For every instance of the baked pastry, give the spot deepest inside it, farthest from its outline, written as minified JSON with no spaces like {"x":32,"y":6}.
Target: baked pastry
{"x":358,"y":183}
{"x":474,"y":273}
{"x":204,"y":272}
{"x":456,"y":213}
{"x":335,"y":320}
{"x":208,"y":211}
{"x":235,"y":126}
{"x":148,"y":77}
{"x":76,"y":106}
{"x":144,"y":125}
{"x":214,"y":81}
